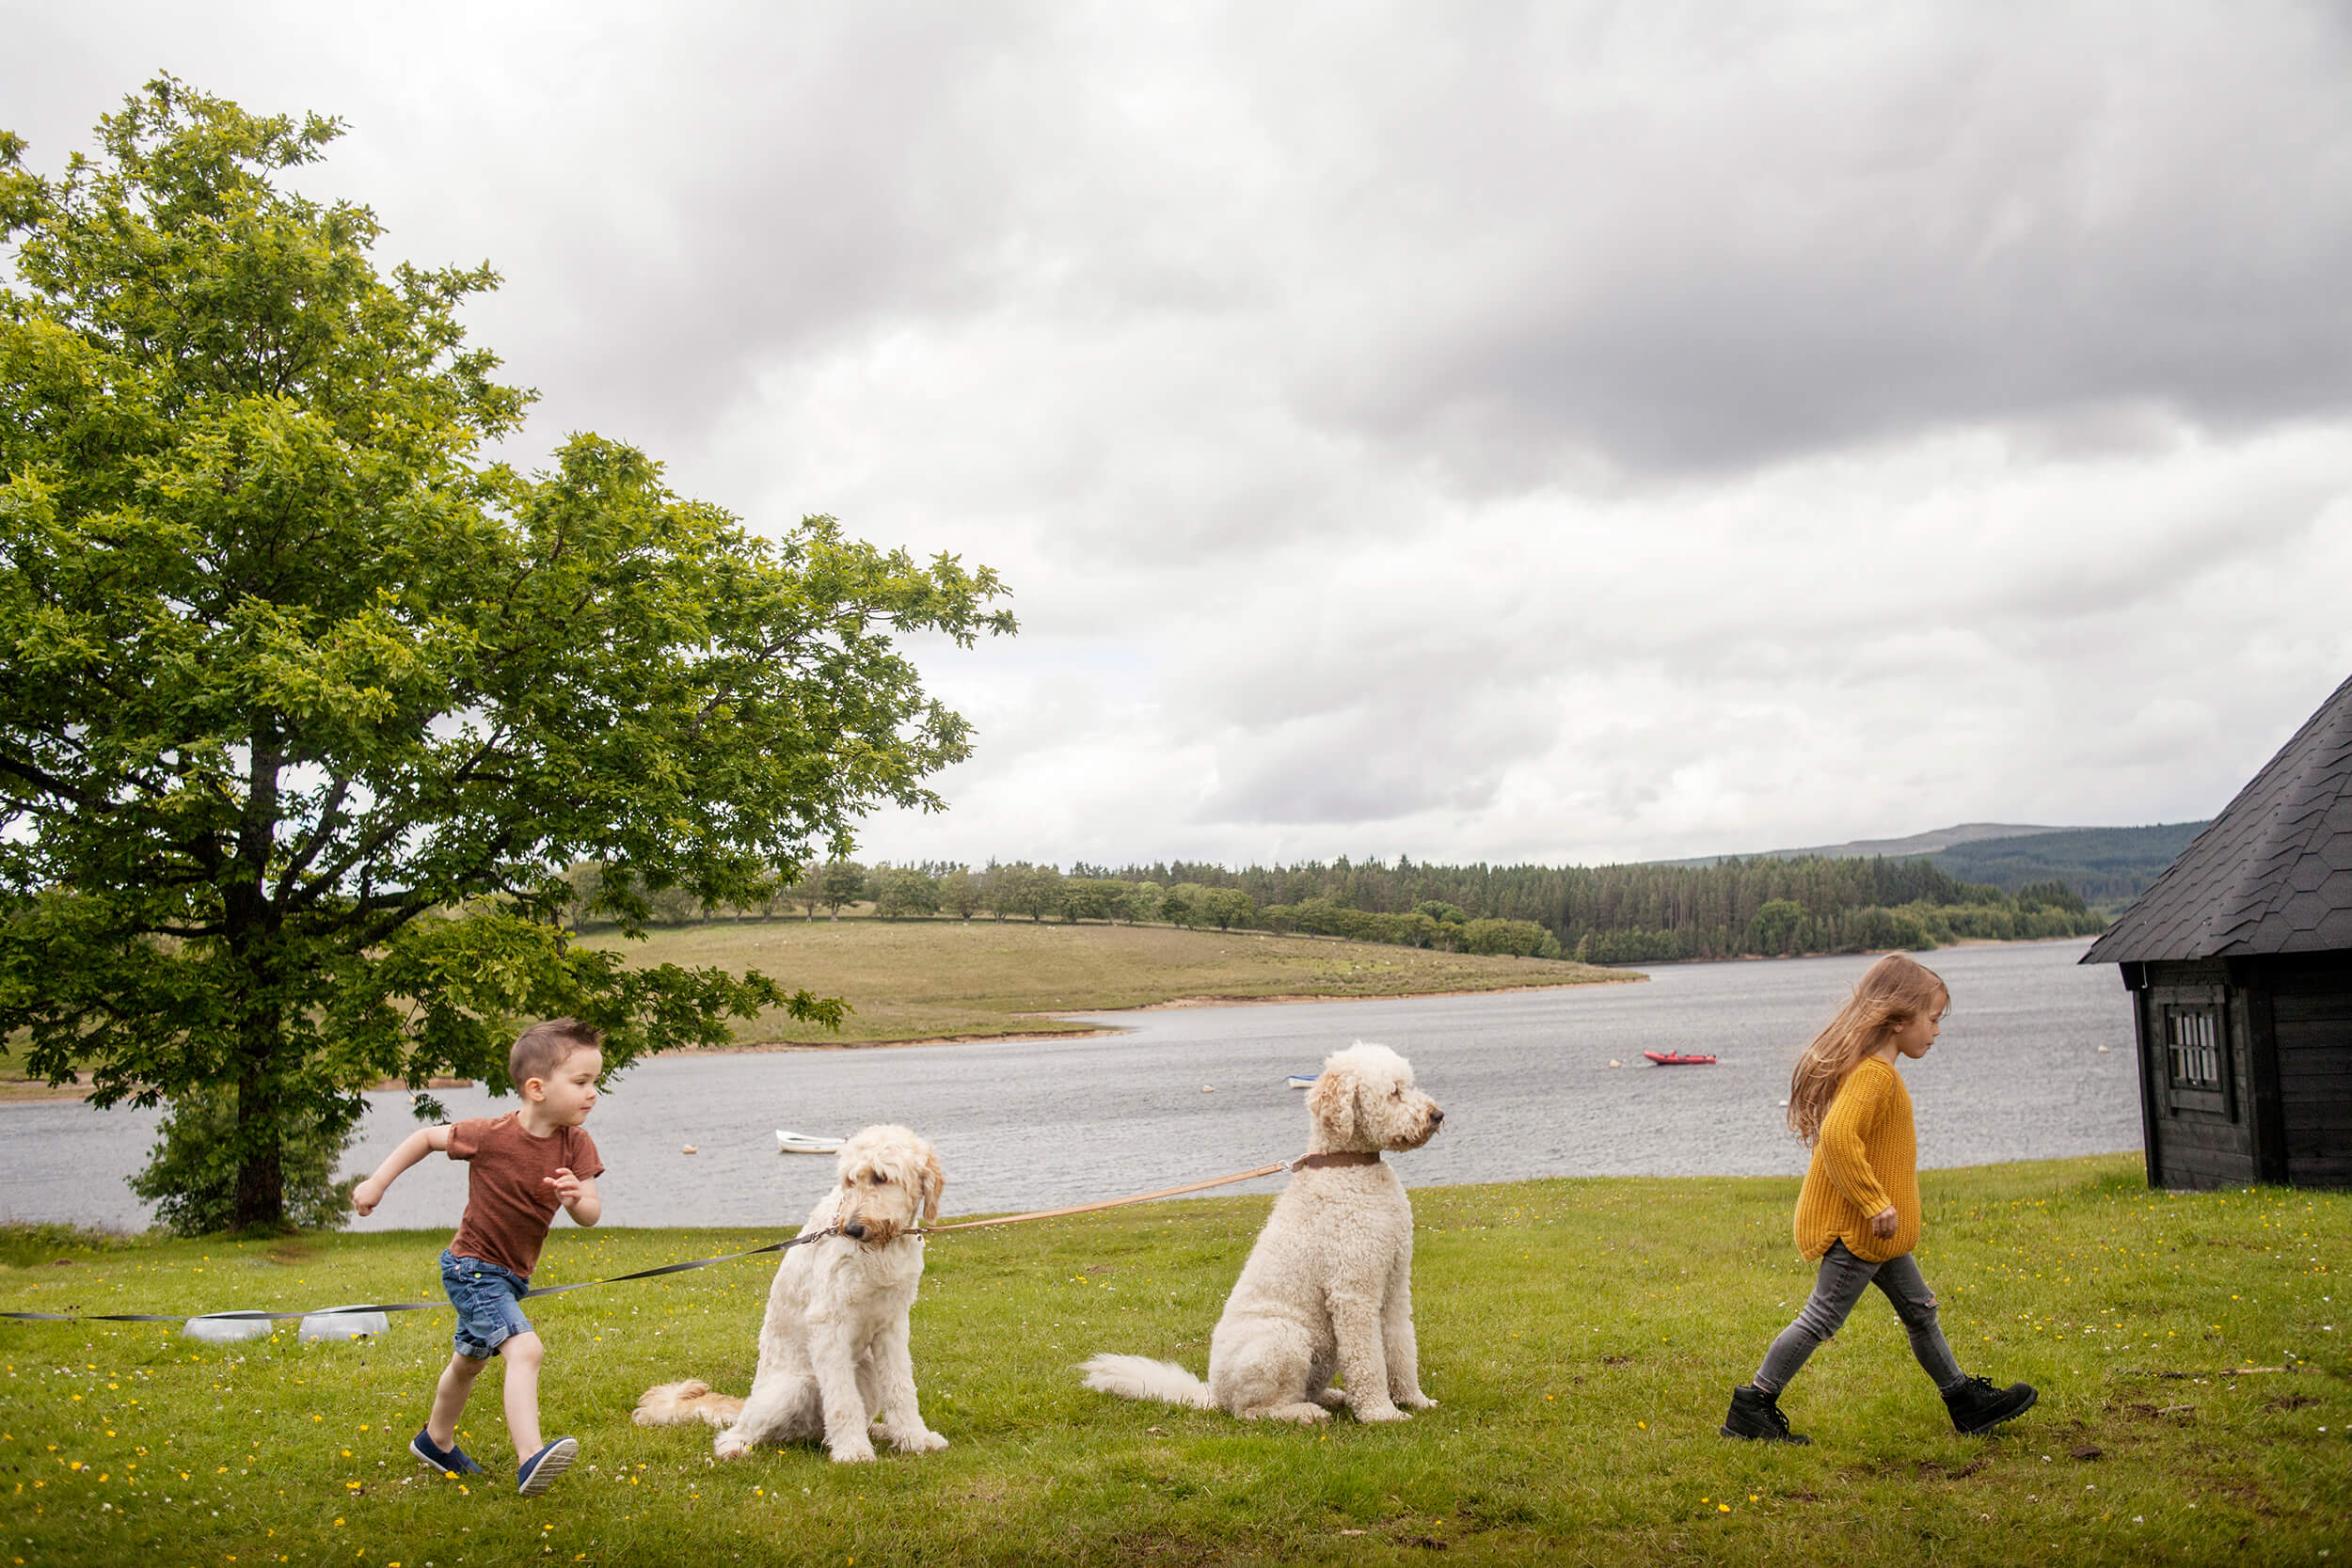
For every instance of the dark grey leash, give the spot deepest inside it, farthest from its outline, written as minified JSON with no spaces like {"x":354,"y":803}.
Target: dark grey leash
{"x":400,"y":1306}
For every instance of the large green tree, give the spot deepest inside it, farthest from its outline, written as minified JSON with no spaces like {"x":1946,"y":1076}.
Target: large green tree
{"x":305,"y":705}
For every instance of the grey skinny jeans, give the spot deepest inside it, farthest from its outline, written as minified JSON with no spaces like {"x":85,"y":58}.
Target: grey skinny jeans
{"x":1839,"y":1285}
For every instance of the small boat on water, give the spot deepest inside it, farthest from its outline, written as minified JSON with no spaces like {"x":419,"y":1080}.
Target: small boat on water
{"x":806,"y":1143}
{"x":1302,"y":1080}
{"x":1677,"y":1058}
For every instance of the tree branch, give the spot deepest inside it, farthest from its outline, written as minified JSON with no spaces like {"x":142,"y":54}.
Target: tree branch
{"x":330,"y":817}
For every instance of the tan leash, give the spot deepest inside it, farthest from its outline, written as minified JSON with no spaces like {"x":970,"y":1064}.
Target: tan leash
{"x":1109,"y":1202}
{"x":1305,"y":1162}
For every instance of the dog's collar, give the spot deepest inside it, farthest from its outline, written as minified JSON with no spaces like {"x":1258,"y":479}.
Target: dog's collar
{"x":1337,"y":1157}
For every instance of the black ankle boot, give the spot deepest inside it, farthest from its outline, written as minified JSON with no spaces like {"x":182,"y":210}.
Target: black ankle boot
{"x":1755,"y":1417}
{"x":1978,"y":1406}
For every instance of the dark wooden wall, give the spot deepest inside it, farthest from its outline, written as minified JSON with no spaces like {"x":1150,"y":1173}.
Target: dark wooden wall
{"x":2287,"y":1033}
{"x":2310,"y":1006}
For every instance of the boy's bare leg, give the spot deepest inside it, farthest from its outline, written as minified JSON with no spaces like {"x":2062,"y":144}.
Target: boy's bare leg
{"x":448,"y":1399}
{"x":523,"y":1353}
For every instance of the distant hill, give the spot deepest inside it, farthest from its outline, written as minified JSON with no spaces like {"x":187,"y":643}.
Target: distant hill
{"x":2108,"y":866}
{"x":1918,"y":844}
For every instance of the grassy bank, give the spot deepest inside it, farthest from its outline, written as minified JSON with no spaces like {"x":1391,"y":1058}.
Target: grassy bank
{"x":943,"y":979}
{"x":946,"y":979}
{"x":1580,"y":1336}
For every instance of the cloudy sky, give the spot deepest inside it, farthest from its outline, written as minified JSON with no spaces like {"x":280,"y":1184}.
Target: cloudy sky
{"x":1562,"y":432}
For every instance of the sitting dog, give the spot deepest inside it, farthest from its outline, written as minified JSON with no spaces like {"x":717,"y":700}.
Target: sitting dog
{"x":833,"y":1351}
{"x":1329,"y":1287}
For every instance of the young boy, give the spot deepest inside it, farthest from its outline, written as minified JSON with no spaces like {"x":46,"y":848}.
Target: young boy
{"x":525,"y":1163}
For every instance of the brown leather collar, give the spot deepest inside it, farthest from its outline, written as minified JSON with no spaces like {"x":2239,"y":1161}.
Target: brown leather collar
{"x":1337,"y":1157}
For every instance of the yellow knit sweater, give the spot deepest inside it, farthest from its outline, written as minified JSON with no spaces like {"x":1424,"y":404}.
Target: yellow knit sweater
{"x":1865,"y":1158}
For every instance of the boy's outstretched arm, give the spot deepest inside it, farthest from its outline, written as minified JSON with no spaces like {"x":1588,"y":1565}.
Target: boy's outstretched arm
{"x":577,"y":1194}
{"x":413,"y":1147}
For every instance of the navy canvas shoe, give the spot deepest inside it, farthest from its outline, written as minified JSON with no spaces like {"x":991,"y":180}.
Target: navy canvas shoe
{"x":537,"y":1473}
{"x":450,"y":1460}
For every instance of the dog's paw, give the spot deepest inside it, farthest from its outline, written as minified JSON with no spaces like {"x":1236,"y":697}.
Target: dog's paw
{"x":1417,"y":1401}
{"x":921,"y":1442}
{"x":859,"y":1452}
{"x":730,"y":1445}
{"x":1381,"y":1413}
{"x":1302,"y":1411}
{"x":1330,"y":1399}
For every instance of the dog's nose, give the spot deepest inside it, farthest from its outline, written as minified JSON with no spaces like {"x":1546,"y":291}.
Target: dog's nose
{"x":1436,"y":1115}
{"x":856,"y":1231}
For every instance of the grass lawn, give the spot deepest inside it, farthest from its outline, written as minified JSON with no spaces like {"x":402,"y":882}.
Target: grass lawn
{"x":1582,"y":1337}
{"x":945,"y":979}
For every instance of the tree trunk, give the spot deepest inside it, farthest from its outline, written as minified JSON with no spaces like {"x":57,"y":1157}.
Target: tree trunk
{"x":252,"y":938}
{"x":261,"y":1131}
{"x":261,"y":1200}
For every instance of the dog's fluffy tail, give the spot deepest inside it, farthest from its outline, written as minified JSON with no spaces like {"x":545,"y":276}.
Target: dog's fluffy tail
{"x":1140,"y":1377}
{"x":674,"y":1404}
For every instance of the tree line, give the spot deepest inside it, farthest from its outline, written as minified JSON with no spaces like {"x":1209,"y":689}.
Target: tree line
{"x":1599,"y":914}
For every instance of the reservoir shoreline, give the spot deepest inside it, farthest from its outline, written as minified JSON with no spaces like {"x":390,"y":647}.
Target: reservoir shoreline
{"x":14,"y":1092}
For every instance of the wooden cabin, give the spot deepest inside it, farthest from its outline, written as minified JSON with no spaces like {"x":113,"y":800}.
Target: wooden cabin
{"x":2238,"y":961}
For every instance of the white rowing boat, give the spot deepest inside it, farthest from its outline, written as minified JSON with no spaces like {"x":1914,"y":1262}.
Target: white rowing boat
{"x":806,"y":1143}
{"x":1303,"y":1080}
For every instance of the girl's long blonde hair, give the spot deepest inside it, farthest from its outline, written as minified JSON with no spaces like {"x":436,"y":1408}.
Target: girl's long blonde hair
{"x":1896,"y":991}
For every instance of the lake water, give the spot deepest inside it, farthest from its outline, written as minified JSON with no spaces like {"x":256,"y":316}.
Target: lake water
{"x":1524,"y":1078}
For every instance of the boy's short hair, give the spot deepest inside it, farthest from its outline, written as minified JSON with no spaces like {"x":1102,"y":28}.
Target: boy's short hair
{"x":542,"y":1048}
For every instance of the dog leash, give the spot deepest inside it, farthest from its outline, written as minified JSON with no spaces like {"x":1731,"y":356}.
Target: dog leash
{"x":1305,"y":1162}
{"x":1109,"y":1202}
{"x":405,"y":1305}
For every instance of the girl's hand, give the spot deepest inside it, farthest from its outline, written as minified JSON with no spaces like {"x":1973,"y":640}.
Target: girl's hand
{"x":1882,"y":1223}
{"x":367,"y":1195}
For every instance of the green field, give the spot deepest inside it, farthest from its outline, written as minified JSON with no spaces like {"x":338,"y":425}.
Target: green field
{"x":1580,"y":1337}
{"x":950,"y":979}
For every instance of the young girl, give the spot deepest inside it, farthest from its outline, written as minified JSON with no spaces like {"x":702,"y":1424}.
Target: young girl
{"x":1859,"y":1212}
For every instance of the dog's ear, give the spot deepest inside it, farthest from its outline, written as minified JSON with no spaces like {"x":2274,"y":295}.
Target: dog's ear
{"x":1332,"y":1102}
{"x":934,"y":1182}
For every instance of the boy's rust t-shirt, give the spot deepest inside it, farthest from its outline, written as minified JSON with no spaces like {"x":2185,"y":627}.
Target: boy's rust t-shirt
{"x":509,"y":1205}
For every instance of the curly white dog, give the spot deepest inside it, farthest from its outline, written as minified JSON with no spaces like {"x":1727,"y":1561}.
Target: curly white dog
{"x":833,"y":1351}
{"x":1330,"y":1286}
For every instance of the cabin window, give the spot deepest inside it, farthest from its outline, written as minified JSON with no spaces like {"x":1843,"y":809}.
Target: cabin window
{"x":2197,"y":1059}
{"x":2194,"y":1047}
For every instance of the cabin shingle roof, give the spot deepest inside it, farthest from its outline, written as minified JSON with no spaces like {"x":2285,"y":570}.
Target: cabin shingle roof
{"x":2273,"y":874}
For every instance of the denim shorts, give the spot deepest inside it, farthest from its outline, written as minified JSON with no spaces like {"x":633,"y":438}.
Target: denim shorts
{"x":489,"y":1303}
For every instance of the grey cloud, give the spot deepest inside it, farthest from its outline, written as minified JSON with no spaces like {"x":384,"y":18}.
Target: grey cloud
{"x":751,"y":194}
{"x":1520,"y":242}
{"x":1377,"y":762}
{"x":1850,"y":236}
{"x":674,"y":197}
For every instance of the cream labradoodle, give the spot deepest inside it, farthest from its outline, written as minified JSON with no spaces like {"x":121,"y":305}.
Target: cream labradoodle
{"x":832,"y":1352}
{"x":1328,"y":1289}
